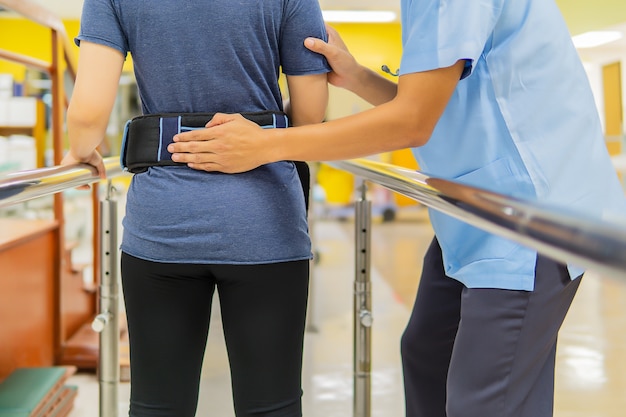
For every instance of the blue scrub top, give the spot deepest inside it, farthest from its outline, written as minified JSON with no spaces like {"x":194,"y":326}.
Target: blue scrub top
{"x":521,"y":122}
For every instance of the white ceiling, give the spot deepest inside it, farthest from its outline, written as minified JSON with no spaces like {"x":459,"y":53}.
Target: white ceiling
{"x":609,"y":51}
{"x":62,"y":8}
{"x":361,"y":5}
{"x":71,"y":8}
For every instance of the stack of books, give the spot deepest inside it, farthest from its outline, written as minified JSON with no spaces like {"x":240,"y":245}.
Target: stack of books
{"x":37,"y":392}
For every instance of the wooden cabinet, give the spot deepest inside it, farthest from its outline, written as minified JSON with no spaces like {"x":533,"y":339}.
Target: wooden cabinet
{"x":28,"y":293}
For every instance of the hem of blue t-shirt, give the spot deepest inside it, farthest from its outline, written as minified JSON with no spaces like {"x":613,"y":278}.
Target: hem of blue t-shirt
{"x":99,"y":41}
{"x":213,"y":261}
{"x":309,"y":72}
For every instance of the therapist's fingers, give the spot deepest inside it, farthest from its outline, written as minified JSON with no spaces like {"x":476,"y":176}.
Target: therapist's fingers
{"x":226,"y":163}
{"x":230,"y":147}
{"x":221,"y":118}
{"x":335,"y":39}
{"x":200,"y":135}
{"x":330,"y":49}
{"x":207,"y":166}
{"x":338,"y":56}
{"x":204,"y":160}
{"x":204,"y":135}
{"x":192,"y":149}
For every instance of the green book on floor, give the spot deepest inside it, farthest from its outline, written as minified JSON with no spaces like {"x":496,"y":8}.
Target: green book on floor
{"x":61,"y":404}
{"x":26,"y":390}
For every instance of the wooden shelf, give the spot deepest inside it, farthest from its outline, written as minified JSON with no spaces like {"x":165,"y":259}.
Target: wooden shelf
{"x":38,"y":131}
{"x":45,"y":305}
{"x":28,"y":288}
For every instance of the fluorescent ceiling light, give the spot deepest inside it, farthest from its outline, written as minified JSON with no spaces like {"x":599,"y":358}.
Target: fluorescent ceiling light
{"x":592,"y":39}
{"x":359,"y":16}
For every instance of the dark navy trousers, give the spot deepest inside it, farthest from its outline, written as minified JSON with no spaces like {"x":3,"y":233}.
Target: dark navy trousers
{"x":483,"y":352}
{"x":168,"y":308}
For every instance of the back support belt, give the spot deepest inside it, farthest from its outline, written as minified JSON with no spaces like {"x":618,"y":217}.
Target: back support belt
{"x":146,"y":138}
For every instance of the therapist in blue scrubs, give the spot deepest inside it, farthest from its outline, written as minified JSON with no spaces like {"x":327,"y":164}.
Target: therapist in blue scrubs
{"x":491,"y":93}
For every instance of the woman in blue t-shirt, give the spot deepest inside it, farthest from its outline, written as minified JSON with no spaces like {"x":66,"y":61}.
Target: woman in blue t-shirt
{"x":187,"y":232}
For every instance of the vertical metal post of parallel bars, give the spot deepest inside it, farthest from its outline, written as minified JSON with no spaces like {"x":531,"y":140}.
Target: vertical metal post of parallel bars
{"x":362,"y":307}
{"x":107,"y":321}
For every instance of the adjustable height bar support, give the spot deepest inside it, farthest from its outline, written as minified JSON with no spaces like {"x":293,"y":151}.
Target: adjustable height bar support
{"x":107,"y":321}
{"x":362,"y":307}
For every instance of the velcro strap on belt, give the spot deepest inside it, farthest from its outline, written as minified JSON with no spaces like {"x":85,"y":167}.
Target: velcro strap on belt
{"x":146,"y":138}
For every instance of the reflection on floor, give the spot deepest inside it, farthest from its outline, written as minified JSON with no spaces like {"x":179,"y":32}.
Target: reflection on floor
{"x":591,"y":367}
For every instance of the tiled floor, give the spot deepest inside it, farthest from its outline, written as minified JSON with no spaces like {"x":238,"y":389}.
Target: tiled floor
{"x":591,"y":380}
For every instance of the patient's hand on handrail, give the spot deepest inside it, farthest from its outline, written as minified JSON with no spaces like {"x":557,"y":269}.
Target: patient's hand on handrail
{"x":95,"y":160}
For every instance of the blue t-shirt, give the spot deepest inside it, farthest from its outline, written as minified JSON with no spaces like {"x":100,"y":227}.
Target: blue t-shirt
{"x":193,"y":56}
{"x":523,"y":122}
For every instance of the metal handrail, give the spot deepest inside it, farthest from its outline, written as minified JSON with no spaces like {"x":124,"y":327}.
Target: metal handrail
{"x":22,"y":186}
{"x":567,"y":237}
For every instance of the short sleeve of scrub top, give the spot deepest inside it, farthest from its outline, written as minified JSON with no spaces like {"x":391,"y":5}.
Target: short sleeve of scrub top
{"x":431,"y":31}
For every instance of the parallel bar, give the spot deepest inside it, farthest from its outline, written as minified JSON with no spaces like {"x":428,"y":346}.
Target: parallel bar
{"x":25,"y":60}
{"x":22,"y":186}
{"x":565,"y":237}
{"x":584,"y":241}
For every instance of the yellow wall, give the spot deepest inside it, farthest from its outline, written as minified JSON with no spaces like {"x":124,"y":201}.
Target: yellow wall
{"x":24,"y":37}
{"x":373,"y":45}
{"x":584,"y":15}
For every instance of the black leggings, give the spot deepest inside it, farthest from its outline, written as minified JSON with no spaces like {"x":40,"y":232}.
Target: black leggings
{"x":168,"y":307}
